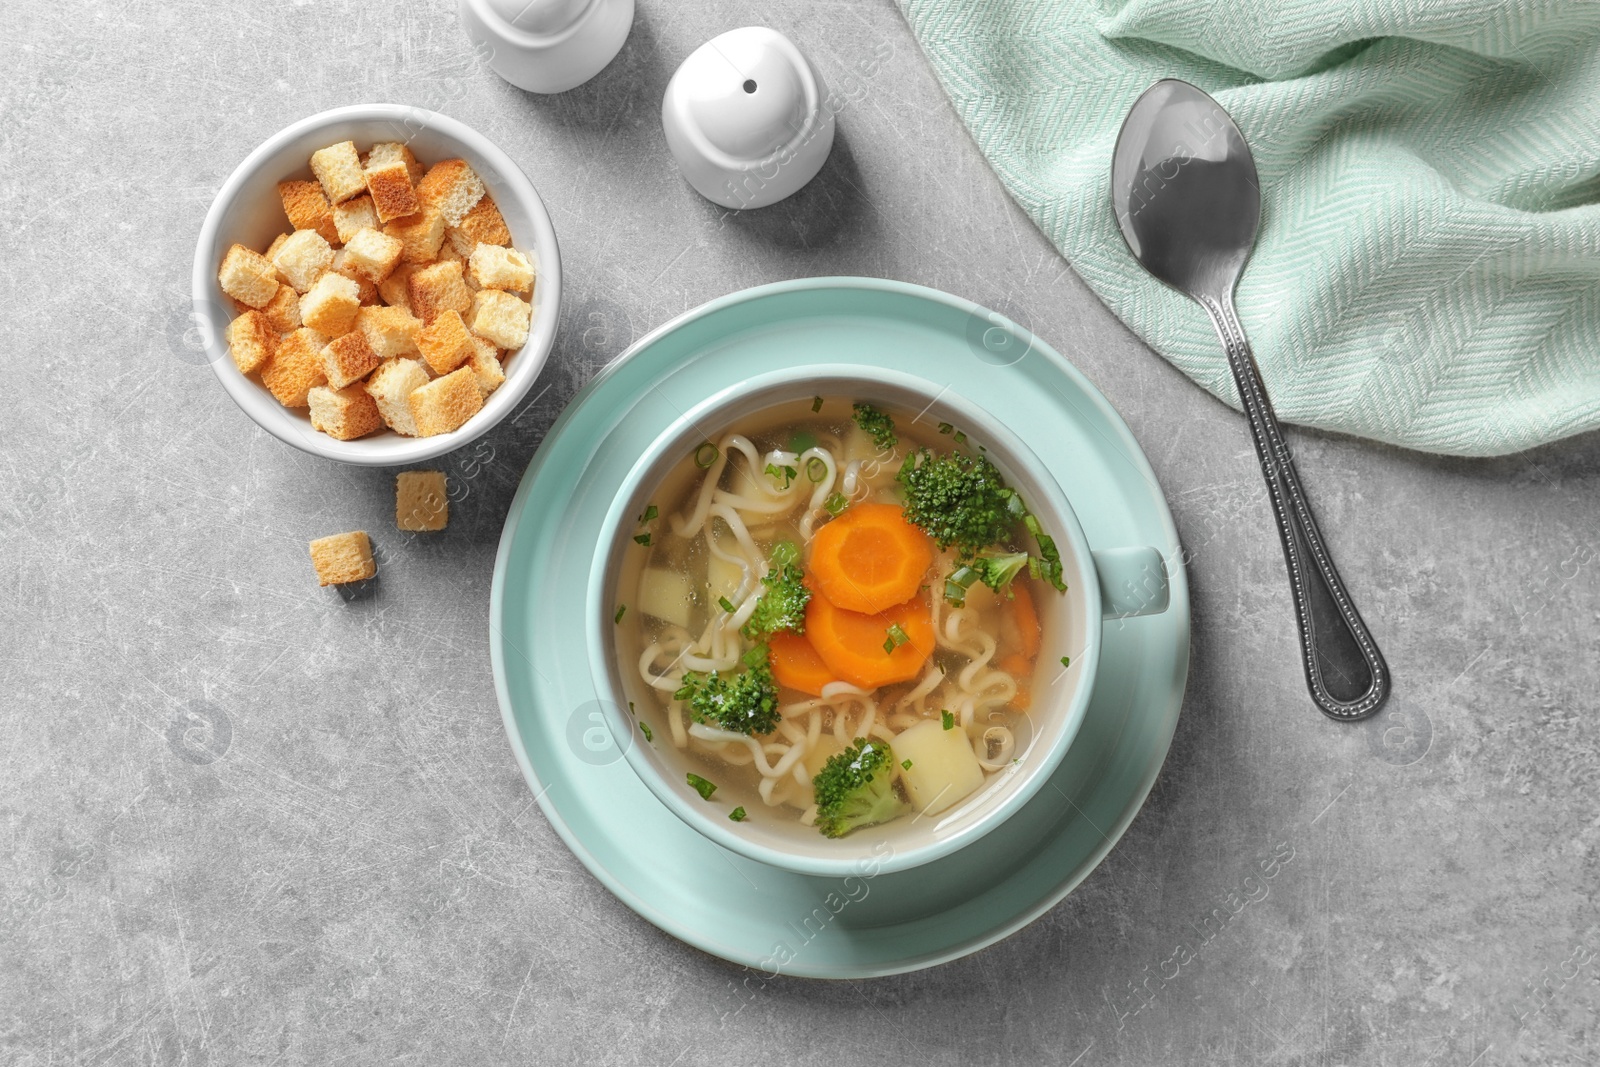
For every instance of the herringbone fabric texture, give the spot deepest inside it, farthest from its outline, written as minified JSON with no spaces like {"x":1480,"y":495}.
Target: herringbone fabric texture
{"x":1428,"y":267}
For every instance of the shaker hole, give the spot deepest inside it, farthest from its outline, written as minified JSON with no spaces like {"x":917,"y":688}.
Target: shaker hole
{"x":750,"y":85}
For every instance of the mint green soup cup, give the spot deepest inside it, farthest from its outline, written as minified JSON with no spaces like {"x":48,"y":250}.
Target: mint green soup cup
{"x":1110,"y":582}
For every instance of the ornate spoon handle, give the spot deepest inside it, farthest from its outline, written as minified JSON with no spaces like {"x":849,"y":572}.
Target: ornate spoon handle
{"x":1344,"y":669}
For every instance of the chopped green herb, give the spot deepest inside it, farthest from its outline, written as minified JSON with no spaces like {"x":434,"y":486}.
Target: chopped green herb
{"x":706,"y":455}
{"x":755,"y":657}
{"x":835,"y":503}
{"x":1049,"y":563}
{"x":948,"y":719}
{"x":897,"y":637}
{"x":961,"y":438}
{"x":816,"y":403}
{"x":737,"y":814}
{"x":801,"y":440}
{"x":701,"y":786}
{"x":631,"y":710}
{"x":649,"y":513}
{"x":644,"y":728}
{"x":643,"y":539}
{"x":905,"y":765}
{"x":876,"y":425}
{"x":782,"y":475}
{"x":956,"y":586}
{"x":1066,"y":661}
{"x":727,"y":605}
{"x":785,"y":553}
{"x":816,"y":468}
{"x":621,"y":609}
{"x":945,"y":427}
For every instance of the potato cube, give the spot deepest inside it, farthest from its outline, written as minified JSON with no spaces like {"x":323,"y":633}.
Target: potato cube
{"x":342,"y":558}
{"x":944,"y":770}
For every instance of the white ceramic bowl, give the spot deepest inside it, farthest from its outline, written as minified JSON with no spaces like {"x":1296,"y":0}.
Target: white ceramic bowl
{"x":248,"y":211}
{"x":1071,"y":627}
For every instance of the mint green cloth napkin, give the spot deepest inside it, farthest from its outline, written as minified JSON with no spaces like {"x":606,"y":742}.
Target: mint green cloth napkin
{"x":1428,"y":266}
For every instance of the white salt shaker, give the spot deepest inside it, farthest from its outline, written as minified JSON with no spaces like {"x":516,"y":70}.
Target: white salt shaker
{"x":747,"y":119}
{"x":547,"y":46}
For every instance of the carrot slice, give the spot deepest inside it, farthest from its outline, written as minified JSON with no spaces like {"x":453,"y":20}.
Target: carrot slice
{"x":796,"y":665}
{"x":1026,"y":618}
{"x":851,"y":643}
{"x":870,"y":558}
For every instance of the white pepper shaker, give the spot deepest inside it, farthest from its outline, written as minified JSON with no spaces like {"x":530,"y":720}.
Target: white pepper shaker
{"x":547,"y":46}
{"x":746,"y":118}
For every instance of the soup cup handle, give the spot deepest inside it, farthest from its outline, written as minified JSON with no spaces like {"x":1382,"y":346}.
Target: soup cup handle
{"x":1133,"y":581}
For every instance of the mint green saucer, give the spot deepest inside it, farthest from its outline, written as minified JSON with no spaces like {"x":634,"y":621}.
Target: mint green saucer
{"x":743,"y":911}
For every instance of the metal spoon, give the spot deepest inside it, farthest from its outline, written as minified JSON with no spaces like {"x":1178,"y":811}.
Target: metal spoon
{"x":1184,"y":187}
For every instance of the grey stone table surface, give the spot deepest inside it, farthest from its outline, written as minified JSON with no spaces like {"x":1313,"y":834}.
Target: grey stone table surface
{"x":247,"y":821}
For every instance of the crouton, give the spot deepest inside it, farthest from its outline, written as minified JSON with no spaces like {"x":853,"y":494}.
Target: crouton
{"x":390,"y":151}
{"x":390,"y":387}
{"x":295,"y":367}
{"x":390,"y":331}
{"x":248,"y":277}
{"x":459,"y":241}
{"x":500,"y":317}
{"x":308,"y":209}
{"x":420,"y":502}
{"x":345,"y":413}
{"x":283,"y":310}
{"x":338,"y":168}
{"x":347,"y":359}
{"x":331,"y":305}
{"x":494,"y":267}
{"x":444,"y":404}
{"x":272,"y":250}
{"x":353,"y":216}
{"x":303,"y":258}
{"x":485,"y":364}
{"x":484,"y":225}
{"x":420,"y":235}
{"x":392,"y":194}
{"x":251,"y":340}
{"x":396,"y":288}
{"x":342,"y":558}
{"x":341,"y":265}
{"x":452,"y":187}
{"x":437,"y":289}
{"x":372,"y":255}
{"x":445,"y":342}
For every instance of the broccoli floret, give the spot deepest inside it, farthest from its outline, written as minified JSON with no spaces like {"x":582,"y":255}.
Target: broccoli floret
{"x":855,"y":788}
{"x":782,"y":605}
{"x":745,"y":703}
{"x":958,"y":500}
{"x":994,"y":569}
{"x":876,"y":425}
